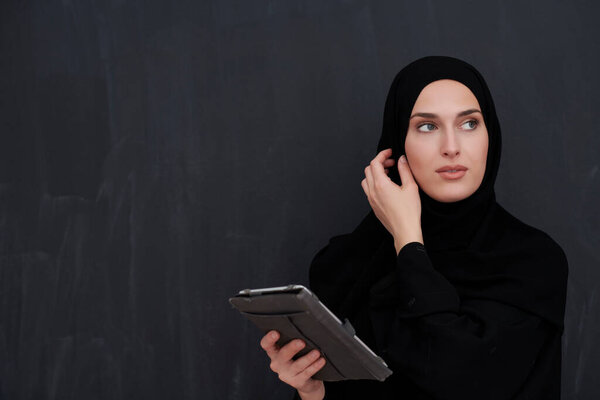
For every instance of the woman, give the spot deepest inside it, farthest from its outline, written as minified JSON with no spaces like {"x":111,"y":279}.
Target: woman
{"x":459,"y":297}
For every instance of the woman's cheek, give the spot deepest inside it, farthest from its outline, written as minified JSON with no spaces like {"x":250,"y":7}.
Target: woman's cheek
{"x":419,"y":176}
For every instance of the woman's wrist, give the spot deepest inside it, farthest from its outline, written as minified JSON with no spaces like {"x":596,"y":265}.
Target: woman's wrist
{"x":399,"y":243}
{"x":316,"y":395}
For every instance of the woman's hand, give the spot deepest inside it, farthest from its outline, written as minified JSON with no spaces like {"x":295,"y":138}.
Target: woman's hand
{"x":298,"y":373}
{"x":397,"y":207}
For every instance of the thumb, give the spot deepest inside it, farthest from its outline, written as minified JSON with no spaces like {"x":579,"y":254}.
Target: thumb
{"x":404,"y":170}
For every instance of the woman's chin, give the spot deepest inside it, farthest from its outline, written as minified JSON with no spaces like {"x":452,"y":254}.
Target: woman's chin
{"x":449,"y":196}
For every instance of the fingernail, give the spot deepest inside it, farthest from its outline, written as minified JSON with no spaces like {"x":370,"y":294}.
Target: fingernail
{"x":273,"y":335}
{"x":402,"y":159}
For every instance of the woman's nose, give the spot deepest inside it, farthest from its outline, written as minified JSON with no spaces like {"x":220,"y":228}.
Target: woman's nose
{"x":449,"y":146}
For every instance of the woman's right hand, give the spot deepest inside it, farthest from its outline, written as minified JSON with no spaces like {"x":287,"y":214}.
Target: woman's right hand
{"x":298,"y":373}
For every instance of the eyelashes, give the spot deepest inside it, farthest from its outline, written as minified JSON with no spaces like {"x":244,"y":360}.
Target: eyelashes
{"x":474,"y":122}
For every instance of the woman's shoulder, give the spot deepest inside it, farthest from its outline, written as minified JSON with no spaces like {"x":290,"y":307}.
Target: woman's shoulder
{"x":515,"y":234}
{"x":368,"y":233}
{"x":515,"y":226}
{"x":538,"y":263}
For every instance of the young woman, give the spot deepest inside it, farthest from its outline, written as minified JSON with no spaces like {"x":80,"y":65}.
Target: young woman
{"x":459,"y":297}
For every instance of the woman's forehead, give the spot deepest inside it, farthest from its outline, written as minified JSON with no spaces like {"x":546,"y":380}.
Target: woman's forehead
{"x":445,"y":93}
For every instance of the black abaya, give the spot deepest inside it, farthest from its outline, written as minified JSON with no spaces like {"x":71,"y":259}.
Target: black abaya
{"x":476,"y":312}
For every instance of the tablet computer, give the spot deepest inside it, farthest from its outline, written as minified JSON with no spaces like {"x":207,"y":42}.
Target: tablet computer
{"x":296,"y":313}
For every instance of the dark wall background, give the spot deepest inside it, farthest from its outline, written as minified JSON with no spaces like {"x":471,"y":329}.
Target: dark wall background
{"x":159,"y":156}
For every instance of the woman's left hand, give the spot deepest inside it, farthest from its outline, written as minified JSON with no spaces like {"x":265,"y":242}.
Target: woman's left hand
{"x":397,"y":207}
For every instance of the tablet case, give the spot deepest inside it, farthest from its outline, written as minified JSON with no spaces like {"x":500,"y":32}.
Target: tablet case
{"x":296,"y":312}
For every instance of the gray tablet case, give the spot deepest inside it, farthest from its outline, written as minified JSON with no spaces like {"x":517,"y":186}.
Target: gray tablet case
{"x":298,"y":314}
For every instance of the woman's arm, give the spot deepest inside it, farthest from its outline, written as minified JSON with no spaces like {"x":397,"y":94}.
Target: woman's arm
{"x":470,"y":349}
{"x":319,"y":396}
{"x":337,"y":267}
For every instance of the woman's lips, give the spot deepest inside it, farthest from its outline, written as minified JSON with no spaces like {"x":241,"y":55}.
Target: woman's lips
{"x":452,"y":175}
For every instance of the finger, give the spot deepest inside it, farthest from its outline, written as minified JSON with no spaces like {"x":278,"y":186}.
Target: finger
{"x":387,"y":170}
{"x":383,"y":155}
{"x":377,"y":166}
{"x":369,"y":176}
{"x":365,"y":186}
{"x":312,"y":369}
{"x":268,"y":343}
{"x":383,"y":158}
{"x":289,"y":350}
{"x":300,"y":364}
{"x":404,"y":170}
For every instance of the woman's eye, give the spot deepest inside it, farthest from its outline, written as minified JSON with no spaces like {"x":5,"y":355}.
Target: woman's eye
{"x":426,"y":125}
{"x":473,"y":122}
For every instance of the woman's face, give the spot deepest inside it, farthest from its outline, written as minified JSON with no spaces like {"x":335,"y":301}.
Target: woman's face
{"x":446,"y":128}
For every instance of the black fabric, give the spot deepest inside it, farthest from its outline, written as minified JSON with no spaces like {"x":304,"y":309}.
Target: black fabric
{"x":477,"y":311}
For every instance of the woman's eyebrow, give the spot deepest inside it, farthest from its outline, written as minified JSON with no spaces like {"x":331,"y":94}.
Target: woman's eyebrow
{"x":460,"y":114}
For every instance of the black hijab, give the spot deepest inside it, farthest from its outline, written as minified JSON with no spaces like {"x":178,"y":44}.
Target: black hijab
{"x":480,"y":248}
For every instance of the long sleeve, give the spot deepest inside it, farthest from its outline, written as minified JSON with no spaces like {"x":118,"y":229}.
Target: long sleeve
{"x":473,"y":348}
{"x":338,"y":267}
{"x":297,"y":396}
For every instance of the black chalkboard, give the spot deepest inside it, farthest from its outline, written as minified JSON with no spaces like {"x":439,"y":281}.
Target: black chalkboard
{"x":156,"y":156}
